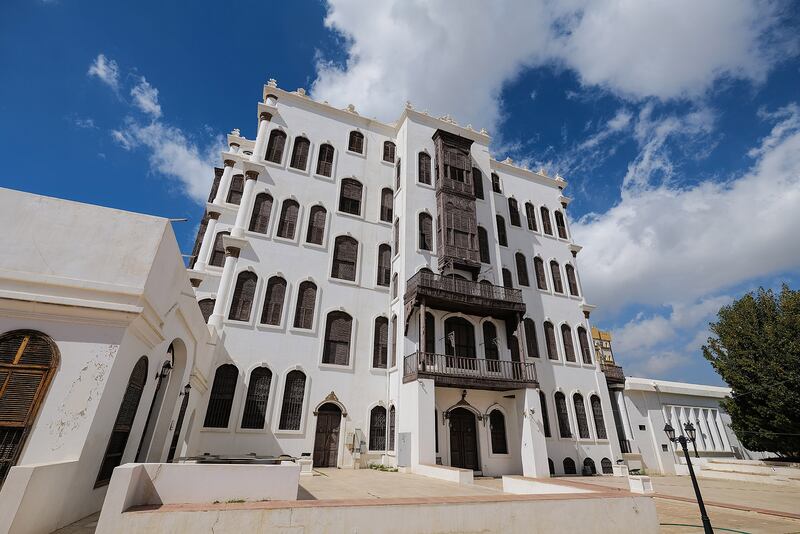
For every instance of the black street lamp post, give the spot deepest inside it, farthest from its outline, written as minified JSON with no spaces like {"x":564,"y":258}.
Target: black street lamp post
{"x":690,"y":430}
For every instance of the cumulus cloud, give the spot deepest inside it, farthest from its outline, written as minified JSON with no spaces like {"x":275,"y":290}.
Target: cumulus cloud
{"x":106,"y":70}
{"x":145,"y":97}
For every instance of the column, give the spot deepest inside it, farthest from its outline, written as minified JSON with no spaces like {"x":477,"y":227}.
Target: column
{"x":533,"y":447}
{"x":708,"y":442}
{"x":418,"y":401}
{"x":224,"y":183}
{"x":208,"y":242}
{"x":251,"y":178}
{"x":261,"y":138}
{"x":523,"y":343}
{"x":221,"y":303}
{"x":694,"y":418}
{"x":712,"y":426}
{"x":422,"y":327}
{"x":726,"y":444}
{"x":623,"y":413}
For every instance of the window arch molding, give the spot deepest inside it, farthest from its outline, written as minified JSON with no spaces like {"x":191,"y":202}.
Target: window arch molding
{"x":567,"y":343}
{"x":347,"y":205}
{"x":283,"y":219}
{"x":567,"y":417}
{"x":340,"y":240}
{"x":424,"y":159}
{"x":325,"y":160}
{"x":323,"y":328}
{"x":240,"y":292}
{"x":277,"y":141}
{"x":224,"y":373}
{"x":264,"y":199}
{"x":280,"y":391}
{"x":353,"y":142}
{"x":247,"y":376}
{"x":479,"y":333}
{"x":369,"y":432}
{"x":373,"y":338}
{"x":266,"y":316}
{"x":420,"y":215}
{"x":299,"y":286}
{"x":491,"y":442}
{"x":296,"y":153}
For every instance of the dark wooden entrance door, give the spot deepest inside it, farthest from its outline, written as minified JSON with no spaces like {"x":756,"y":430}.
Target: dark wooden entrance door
{"x":326,"y":439}
{"x":463,"y":440}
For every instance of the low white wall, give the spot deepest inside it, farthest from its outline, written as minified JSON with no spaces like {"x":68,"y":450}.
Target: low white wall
{"x":529,"y":486}
{"x":443,"y":472}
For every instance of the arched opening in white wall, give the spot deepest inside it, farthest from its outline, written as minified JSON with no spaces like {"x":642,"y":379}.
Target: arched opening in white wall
{"x":326,"y":437}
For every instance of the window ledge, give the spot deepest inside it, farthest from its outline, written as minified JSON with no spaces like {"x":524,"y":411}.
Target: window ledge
{"x":315,"y":245}
{"x":336,"y":367}
{"x":295,"y":170}
{"x":273,"y":164}
{"x":335,"y":280}
{"x":350,"y":215}
{"x":325,"y":178}
{"x":271,"y":327}
{"x":286,"y":240}
{"x":426,"y":186}
{"x":358,"y":154}
{"x":215,"y":430}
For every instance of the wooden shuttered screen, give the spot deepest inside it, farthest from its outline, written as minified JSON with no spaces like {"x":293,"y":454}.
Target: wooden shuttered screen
{"x":350,"y":197}
{"x":456,"y":164}
{"x":555,"y":271}
{"x":316,"y":225}
{"x":345,"y":257}
{"x":396,"y":235}
{"x":288,"y":220}
{"x":292,"y":407}
{"x":207,"y":308}
{"x":384,"y":265}
{"x":28,"y":360}
{"x":397,"y":175}
{"x":459,"y":337}
{"x":277,"y":140}
{"x":572,"y":282}
{"x":545,"y":416}
{"x":547,"y":226}
{"x":338,"y":328}
{"x":255,"y":404}
{"x":497,"y":428}
{"x":583,"y":340}
{"x":123,"y":423}
{"x":561,"y":414}
{"x":355,"y":142}
{"x":491,"y":349}
{"x":391,"y":427}
{"x":236,"y":189}
{"x":502,"y":239}
{"x":325,"y":160}
{"x":541,"y":279}
{"x":530,"y":338}
{"x":569,"y":347}
{"x":377,"y":428}
{"x":243,"y":295}
{"x":217,"y":258}
{"x":262,"y":208}
{"x":530,"y":214}
{"x":513,"y":213}
{"x":561,"y":225}
{"x":380,"y":345}
{"x":597,"y":414}
{"x":496,"y":183}
{"x":424,"y":170}
{"x":483,"y":245}
{"x":300,"y":153}
{"x":388,"y":151}
{"x":387,"y":204}
{"x":306,"y":302}
{"x":477,"y":183}
{"x":220,"y":399}
{"x":550,"y":340}
{"x":425,"y":232}
{"x":273,"y":301}
{"x":522,"y":269}
{"x":507,"y":280}
{"x":580,"y":416}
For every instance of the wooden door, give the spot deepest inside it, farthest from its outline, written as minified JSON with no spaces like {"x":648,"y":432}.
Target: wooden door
{"x":463,"y":440}
{"x":326,"y":439}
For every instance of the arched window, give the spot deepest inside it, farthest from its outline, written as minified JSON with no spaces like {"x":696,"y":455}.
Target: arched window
{"x":491,"y":349}
{"x":502,"y":239}
{"x":551,"y":467}
{"x":350,"y":197}
{"x":569,"y":466}
{"x":243,"y":295}
{"x":300,"y":153}
{"x":459,"y":337}
{"x":288,"y":221}
{"x":425,"y":232}
{"x":391,"y":428}
{"x":605,"y":465}
{"x":562,"y":415}
{"x":273,"y":301}
{"x":496,"y":183}
{"x":569,"y":348}
{"x":220,"y":400}
{"x":218,"y":254}
{"x":356,"y":142}
{"x":522,"y":269}
{"x":397,"y":175}
{"x":507,"y":281}
{"x":325,"y":160}
{"x":545,"y":417}
{"x":122,"y":424}
{"x":530,"y":214}
{"x":571,"y":281}
{"x":588,"y":465}
{"x":293,"y":394}
{"x":561,"y":225}
{"x":483,"y":245}
{"x":337,"y":338}
{"x":255,"y":405}
{"x":430,"y":333}
{"x":236,"y":189}
{"x":396,"y":236}
{"x":513,"y":212}
{"x":384,"y":264}
{"x":388,"y":151}
{"x":541,"y":279}
{"x":316,"y":225}
{"x":394,"y":286}
{"x":277,"y":140}
{"x":583,"y":339}
{"x":207,"y":308}
{"x":380,"y":343}
{"x":580,"y":416}
{"x":550,"y":340}
{"x":597,"y":414}
{"x":387,"y":204}
{"x":530,"y":338}
{"x":306,"y":302}
{"x":547,"y":226}
{"x":345,"y":257}
{"x":262,"y":208}
{"x":424,"y":171}
{"x":477,"y":183}
{"x":497,"y":427}
{"x":558,"y":286}
{"x":377,"y":428}
{"x":393,"y":340}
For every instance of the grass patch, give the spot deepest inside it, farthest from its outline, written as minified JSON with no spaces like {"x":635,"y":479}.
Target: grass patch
{"x":384,"y":468}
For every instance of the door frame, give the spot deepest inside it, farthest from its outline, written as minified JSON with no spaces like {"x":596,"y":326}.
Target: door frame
{"x":339,"y":440}
{"x":477,"y":439}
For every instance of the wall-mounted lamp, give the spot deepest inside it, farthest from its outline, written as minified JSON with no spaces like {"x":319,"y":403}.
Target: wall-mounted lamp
{"x":186,"y":389}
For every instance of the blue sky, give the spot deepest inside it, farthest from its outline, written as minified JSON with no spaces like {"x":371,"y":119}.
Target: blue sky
{"x":676,"y":124}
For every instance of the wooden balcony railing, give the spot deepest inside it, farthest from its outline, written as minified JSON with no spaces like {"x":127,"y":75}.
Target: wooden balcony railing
{"x":457,"y":294}
{"x":454,"y":186}
{"x":469,"y":373}
{"x":613,"y":372}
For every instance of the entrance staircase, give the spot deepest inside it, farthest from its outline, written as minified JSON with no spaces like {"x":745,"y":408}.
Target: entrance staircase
{"x":751,"y":471}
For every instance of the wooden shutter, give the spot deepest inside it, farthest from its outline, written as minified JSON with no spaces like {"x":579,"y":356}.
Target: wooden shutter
{"x":530,"y":338}
{"x":522,"y":269}
{"x":391,"y":428}
{"x":243,"y":296}
{"x":424,"y":171}
{"x":356,"y":142}
{"x":207,"y":308}
{"x":387,"y":204}
{"x":337,"y":338}
{"x":388,"y":151}
{"x":580,"y":416}
{"x":502,"y":239}
{"x":350,"y":197}
{"x":394,"y":286}
{"x":255,"y":405}
{"x":558,"y":286}
{"x":563,"y":417}
{"x":345,"y":256}
{"x":490,"y":348}
{"x":218,"y":254}
{"x":236,"y":189}
{"x":377,"y":428}
{"x":273,"y":301}
{"x":198,"y":240}
{"x":316,"y":225}
{"x":477,"y":183}
{"x":583,"y":339}
{"x":497,"y":427}
{"x":380,"y":346}
{"x":571,"y":281}
{"x":293,"y":395}
{"x":277,"y":139}
{"x":547,"y":226}
{"x":513,"y":212}
{"x":530,"y":214}
{"x":569,"y":348}
{"x":306,"y":302}
{"x":425,"y":231}
{"x":430,"y":333}
{"x":507,"y":281}
{"x":397,"y":175}
{"x":541,"y":279}
{"x":325,"y":160}
{"x":262,"y":208}
{"x":599,"y":422}
{"x":220,"y":400}
{"x":561,"y":225}
{"x":545,"y":416}
{"x":550,"y":340}
{"x":300,"y":153}
{"x":384,"y":265}
{"x":288,"y":222}
{"x":396,"y":235}
{"x":496,"y":183}
{"x":483,"y":245}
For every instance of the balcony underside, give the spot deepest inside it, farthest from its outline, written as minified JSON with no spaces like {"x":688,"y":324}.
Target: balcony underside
{"x":469,"y":373}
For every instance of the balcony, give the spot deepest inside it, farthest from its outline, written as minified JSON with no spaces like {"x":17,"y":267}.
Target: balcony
{"x":454,"y":186}
{"x":469,"y":373}
{"x":613,"y":372}
{"x":457,"y":294}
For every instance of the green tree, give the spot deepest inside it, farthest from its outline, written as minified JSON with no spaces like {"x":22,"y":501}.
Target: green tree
{"x":756,"y":350}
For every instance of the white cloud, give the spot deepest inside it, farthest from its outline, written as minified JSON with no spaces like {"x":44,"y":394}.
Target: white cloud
{"x":86,"y":123}
{"x":145,"y":97}
{"x":106,"y":70}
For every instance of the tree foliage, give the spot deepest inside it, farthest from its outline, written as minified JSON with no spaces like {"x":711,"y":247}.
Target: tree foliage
{"x":756,"y":350}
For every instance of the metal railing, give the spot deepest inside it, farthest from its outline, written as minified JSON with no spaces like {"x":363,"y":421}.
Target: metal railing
{"x":460,"y":289}
{"x":625,"y":445}
{"x":431,"y":364}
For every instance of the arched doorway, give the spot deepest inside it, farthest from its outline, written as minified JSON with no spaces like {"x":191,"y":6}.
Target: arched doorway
{"x":463,"y":439}
{"x":326,"y":438}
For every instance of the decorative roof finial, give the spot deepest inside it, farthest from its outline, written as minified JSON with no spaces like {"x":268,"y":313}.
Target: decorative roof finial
{"x":351,"y":108}
{"x":484,"y":131}
{"x":300,"y":91}
{"x":408,"y":105}
{"x":236,"y":132}
{"x":272,"y":83}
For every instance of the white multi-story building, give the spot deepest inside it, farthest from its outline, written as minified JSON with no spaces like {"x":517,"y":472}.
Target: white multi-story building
{"x":390,"y":293}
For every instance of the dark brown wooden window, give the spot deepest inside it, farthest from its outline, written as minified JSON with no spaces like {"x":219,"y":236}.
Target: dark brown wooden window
{"x":561,"y":226}
{"x":316,"y":225}
{"x":545,"y":416}
{"x":387,"y":204}
{"x":293,"y":395}
{"x":502,"y":239}
{"x":597,"y":413}
{"x":538,"y":268}
{"x":391,"y":428}
{"x":397,"y":175}
{"x":507,"y":280}
{"x":123,"y":423}
{"x":255,"y":405}
{"x":569,"y":348}
{"x":350,"y":197}
{"x":243,"y":295}
{"x":325,"y":160}
{"x":531,"y":338}
{"x":430,"y":333}
{"x":558,"y":286}
{"x":522,"y":269}
{"x":277,"y":140}
{"x":497,"y":427}
{"x":220,"y":400}
{"x":300,"y":153}
{"x":496,"y":183}
{"x":218,"y":254}
{"x":388,"y":151}
{"x":306,"y":302}
{"x":396,"y":236}
{"x":273,"y":301}
{"x":377,"y":428}
{"x":483,"y":245}
{"x":572,"y":282}
{"x":356,"y":142}
{"x":569,"y":466}
{"x":491,"y":348}
{"x":562,"y":415}
{"x":392,"y":340}
{"x":380,"y":344}
{"x":288,"y":220}
{"x":547,"y":226}
{"x":236,"y":189}
{"x":338,"y":328}
{"x":424,"y":170}
{"x":459,"y":337}
{"x":384,"y":265}
{"x":477,"y":183}
{"x":530,"y":214}
{"x":513,"y":213}
{"x":262,"y":208}
{"x":394,"y":286}
{"x":207,"y":308}
{"x":345,"y":258}
{"x":583,"y":340}
{"x":425,"y":232}
{"x":456,"y":164}
{"x":605,"y":465}
{"x":550,"y":340}
{"x":580,"y":416}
